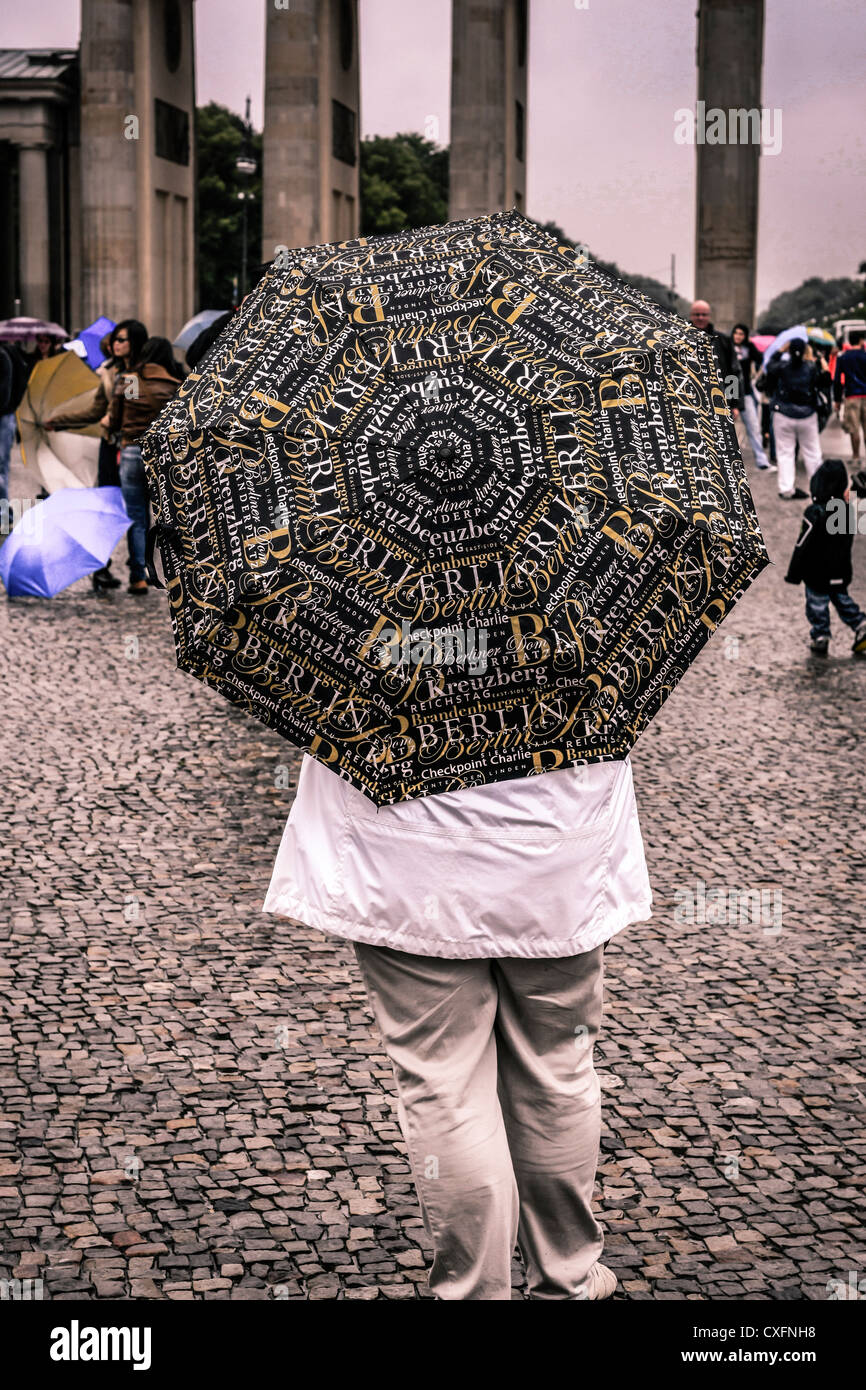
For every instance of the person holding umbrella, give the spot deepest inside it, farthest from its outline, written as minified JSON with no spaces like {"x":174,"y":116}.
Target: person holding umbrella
{"x":471,"y":829}
{"x":119,"y":346}
{"x":140,"y":393}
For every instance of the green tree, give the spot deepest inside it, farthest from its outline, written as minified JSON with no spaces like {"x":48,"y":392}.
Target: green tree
{"x":815,"y":301}
{"x":219,"y":141}
{"x":404,"y":183}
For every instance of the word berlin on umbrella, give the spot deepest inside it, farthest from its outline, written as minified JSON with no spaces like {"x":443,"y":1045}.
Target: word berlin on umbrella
{"x":572,"y":485}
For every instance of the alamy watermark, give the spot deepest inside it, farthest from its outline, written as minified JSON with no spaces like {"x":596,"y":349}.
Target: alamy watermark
{"x":445,"y":646}
{"x":846,"y":518}
{"x":729,"y":907}
{"x":738,"y":125}
{"x":21,"y":509}
{"x":17,"y":1290}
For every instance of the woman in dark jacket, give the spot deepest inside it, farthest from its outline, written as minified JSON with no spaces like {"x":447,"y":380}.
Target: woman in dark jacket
{"x":139,"y":396}
{"x":749,"y":358}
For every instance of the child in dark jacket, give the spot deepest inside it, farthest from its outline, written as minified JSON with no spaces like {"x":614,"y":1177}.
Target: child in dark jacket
{"x":822,"y":558}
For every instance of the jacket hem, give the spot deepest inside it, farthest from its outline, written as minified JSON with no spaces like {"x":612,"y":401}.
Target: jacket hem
{"x":298,"y":910}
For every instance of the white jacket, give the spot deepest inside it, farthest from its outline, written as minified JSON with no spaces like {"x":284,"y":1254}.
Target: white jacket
{"x":550,"y":865}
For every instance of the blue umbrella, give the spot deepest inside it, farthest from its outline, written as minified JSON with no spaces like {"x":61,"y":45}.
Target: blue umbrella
{"x":91,"y":338}
{"x":70,"y":534}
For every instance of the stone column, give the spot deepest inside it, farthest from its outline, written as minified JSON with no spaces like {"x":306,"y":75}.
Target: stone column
{"x":34,"y":232}
{"x":310,"y":157}
{"x":109,"y":201}
{"x":489,"y":59}
{"x":730,"y":56}
{"x":290,"y":141}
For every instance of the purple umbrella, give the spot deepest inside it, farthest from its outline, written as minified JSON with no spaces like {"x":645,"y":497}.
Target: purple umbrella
{"x":18,"y":330}
{"x":69,"y":535}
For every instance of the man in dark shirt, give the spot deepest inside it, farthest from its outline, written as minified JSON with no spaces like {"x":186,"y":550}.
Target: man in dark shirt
{"x":726,"y":357}
{"x":850,"y":380}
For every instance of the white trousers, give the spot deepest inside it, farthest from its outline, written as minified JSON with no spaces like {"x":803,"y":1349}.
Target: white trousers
{"x":788,"y":434}
{"x":752,"y":426}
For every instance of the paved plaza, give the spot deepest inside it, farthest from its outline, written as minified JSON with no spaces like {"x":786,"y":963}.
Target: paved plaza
{"x":195,"y":1101}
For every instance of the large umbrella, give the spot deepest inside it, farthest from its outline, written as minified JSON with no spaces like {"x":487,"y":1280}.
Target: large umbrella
{"x":451,"y":506}
{"x":196,"y":325}
{"x":62,"y":458}
{"x":782,"y":339}
{"x":69,"y":535}
{"x":19,"y":329}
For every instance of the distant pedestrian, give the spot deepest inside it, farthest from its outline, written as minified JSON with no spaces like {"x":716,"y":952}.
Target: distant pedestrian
{"x":46,"y":346}
{"x":726,"y":358}
{"x":822,"y":558}
{"x":14,"y":370}
{"x":140,"y":394}
{"x":794,"y":386}
{"x":849,"y":381}
{"x":749,"y":358}
{"x":120,"y":347}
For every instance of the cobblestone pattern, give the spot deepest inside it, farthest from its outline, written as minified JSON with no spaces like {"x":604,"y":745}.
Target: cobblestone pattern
{"x":195,"y":1101}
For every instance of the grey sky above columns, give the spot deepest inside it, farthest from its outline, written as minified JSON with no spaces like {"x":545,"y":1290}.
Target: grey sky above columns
{"x":604,"y":85}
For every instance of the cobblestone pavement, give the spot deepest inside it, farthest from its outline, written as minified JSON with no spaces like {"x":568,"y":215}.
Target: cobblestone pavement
{"x":195,"y":1102}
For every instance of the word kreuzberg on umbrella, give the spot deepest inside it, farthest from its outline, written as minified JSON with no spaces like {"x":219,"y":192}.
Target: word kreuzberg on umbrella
{"x":464,"y":427}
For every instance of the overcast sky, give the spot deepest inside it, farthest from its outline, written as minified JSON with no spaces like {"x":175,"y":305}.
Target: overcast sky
{"x":605,"y":82}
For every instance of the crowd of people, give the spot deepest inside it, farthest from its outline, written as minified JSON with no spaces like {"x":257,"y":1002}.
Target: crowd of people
{"x":138,"y":374}
{"x":784,"y":406}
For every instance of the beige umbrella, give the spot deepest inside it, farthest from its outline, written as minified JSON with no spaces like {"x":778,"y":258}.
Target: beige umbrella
{"x":61,"y":458}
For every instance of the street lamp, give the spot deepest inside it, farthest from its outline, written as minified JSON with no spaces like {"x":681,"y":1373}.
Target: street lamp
{"x":246,"y":167}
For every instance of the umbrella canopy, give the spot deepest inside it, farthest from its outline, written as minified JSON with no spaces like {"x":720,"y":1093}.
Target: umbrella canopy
{"x":197,"y":324}
{"x":69,"y":535}
{"x":62,"y":458}
{"x":17,"y":330}
{"x":778,"y":343}
{"x":450,"y":506}
{"x":821,"y":337}
{"x":762,"y":340}
{"x":92,"y":336}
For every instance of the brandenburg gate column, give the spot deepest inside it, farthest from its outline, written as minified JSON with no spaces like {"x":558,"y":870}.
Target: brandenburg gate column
{"x":109,"y":191}
{"x":489,"y":62}
{"x":35,"y":230}
{"x":730,"y":58}
{"x":311,"y":140}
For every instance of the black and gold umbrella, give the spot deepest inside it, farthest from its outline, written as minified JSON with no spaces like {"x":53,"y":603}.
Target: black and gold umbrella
{"x":450,"y":507}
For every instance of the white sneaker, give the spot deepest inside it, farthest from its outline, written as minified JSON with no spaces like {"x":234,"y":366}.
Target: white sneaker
{"x":599,"y":1283}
